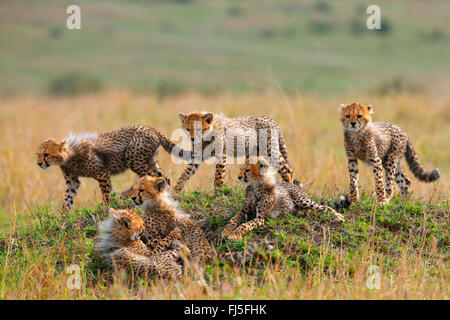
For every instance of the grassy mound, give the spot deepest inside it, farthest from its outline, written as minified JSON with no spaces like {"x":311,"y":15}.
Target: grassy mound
{"x":304,"y":256}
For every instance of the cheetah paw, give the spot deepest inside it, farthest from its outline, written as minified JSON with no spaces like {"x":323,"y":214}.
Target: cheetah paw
{"x":234,"y":236}
{"x":176,"y":233}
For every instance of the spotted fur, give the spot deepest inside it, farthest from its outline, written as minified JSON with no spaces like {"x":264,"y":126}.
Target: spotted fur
{"x":100,"y":156}
{"x":162,"y":215}
{"x":264,"y":197}
{"x":217,"y":127}
{"x":380,"y":145}
{"x":121,"y":243}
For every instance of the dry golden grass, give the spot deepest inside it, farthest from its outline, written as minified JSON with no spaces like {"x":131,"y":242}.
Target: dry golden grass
{"x":315,"y":143}
{"x":310,"y":125}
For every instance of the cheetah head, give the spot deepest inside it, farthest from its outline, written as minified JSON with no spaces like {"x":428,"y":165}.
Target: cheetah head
{"x":123,"y":226}
{"x":255,"y":170}
{"x":355,"y":116}
{"x":149,"y":189}
{"x":189,"y":121}
{"x":51,"y":152}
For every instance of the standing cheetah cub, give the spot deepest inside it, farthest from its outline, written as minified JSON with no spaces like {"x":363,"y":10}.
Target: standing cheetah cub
{"x":99,"y":156}
{"x":122,"y":238}
{"x":161,"y":216}
{"x":264,"y":197}
{"x":380,"y":145}
{"x":246,"y":136}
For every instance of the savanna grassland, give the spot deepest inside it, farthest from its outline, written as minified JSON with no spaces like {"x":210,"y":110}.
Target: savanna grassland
{"x":298,"y":257}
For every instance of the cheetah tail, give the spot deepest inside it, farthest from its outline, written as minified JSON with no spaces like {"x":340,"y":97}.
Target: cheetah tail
{"x":283,"y":149}
{"x":416,"y":167}
{"x":171,"y":147}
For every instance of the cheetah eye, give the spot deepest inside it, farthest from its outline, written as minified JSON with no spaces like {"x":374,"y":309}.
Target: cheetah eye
{"x":46,"y":155}
{"x":347,"y":116}
{"x":359,"y":116}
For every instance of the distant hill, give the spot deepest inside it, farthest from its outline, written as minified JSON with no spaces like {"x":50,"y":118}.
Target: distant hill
{"x":169,"y":47}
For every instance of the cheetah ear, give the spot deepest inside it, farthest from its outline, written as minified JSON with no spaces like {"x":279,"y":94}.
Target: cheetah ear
{"x":125,"y":221}
{"x":208,"y":118}
{"x":182,"y":116}
{"x":63,"y":145}
{"x":341,"y":107}
{"x":160,"y":183}
{"x":369,"y":108}
{"x":113,"y":213}
{"x":263,"y":163}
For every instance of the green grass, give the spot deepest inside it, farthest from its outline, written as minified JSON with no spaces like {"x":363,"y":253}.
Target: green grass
{"x":169,"y":47}
{"x":308,"y":242}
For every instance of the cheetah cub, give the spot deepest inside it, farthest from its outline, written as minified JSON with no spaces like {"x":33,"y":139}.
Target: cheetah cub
{"x":256,"y":132}
{"x":264,"y":197}
{"x":380,"y":145}
{"x":99,"y":156}
{"x":122,"y":237}
{"x":161,"y":216}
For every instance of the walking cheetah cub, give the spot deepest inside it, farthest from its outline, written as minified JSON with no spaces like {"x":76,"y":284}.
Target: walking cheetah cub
{"x":246,"y":136}
{"x":380,"y":145}
{"x":264,"y":197}
{"x":122,"y":237}
{"x":161,"y":216}
{"x":99,"y":156}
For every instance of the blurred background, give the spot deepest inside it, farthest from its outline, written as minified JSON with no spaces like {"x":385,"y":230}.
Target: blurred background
{"x":169,"y":47}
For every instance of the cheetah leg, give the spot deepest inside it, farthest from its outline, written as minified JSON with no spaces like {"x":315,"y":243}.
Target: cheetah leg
{"x":263,"y":209}
{"x":190,"y":170}
{"x":402,"y":181}
{"x":310,"y":204}
{"x":165,"y":243}
{"x":245,"y":228}
{"x":105,"y":184}
{"x":354,"y":175}
{"x":232,"y":225}
{"x":390,"y":166}
{"x":378,"y":176}
{"x":72,"y":185}
{"x":220,"y":175}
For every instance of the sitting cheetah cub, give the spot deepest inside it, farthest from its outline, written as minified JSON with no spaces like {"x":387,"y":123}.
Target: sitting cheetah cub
{"x":122,"y":238}
{"x":100,"y":156}
{"x":161,"y":216}
{"x":380,"y":145}
{"x":264,"y":197}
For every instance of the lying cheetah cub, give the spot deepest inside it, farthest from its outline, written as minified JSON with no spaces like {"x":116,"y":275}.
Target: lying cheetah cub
{"x":264,"y":197}
{"x":99,"y":156}
{"x":216,"y":130}
{"x":161,"y":216}
{"x":122,"y":238}
{"x":380,"y":145}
